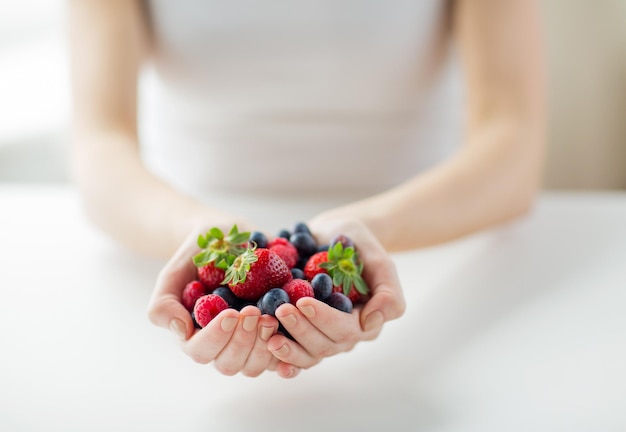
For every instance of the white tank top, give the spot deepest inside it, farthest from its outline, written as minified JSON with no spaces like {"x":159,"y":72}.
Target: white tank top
{"x":301,"y":97}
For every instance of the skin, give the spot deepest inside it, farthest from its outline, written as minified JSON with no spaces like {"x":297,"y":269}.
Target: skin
{"x":492,"y":179}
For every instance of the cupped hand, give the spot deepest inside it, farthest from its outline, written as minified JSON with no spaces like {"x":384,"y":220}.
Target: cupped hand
{"x":320,"y":330}
{"x":235,"y":341}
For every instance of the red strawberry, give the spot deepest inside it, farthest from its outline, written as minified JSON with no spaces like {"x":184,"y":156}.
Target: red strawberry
{"x":345,"y":268}
{"x":211,"y":276}
{"x":312,"y":266}
{"x":255,"y":272}
{"x":353,"y":294}
{"x":207,"y":307}
{"x":285,"y":250}
{"x":192,"y":292}
{"x":298,"y":288}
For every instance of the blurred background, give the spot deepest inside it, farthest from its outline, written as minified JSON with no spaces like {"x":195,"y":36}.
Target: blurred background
{"x":587,"y":72}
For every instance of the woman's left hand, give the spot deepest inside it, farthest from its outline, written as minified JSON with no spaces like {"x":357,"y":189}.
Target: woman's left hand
{"x":321,"y":331}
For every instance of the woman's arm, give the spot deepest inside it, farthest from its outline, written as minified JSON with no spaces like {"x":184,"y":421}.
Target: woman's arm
{"x":496,"y":173}
{"x":109,"y":40}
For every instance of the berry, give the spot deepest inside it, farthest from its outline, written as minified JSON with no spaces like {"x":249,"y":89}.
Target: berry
{"x":272,"y":300}
{"x":255,"y":272}
{"x":345,"y":269}
{"x":285,"y":250}
{"x":230,"y":297}
{"x":312,"y":266}
{"x":210,"y":276}
{"x":304,"y":243}
{"x":258,"y":238}
{"x":301,"y":227}
{"x":297,"y":273}
{"x":192,"y":292}
{"x":353,"y":294}
{"x":284,"y":234}
{"x":345,"y":241}
{"x":298,"y":288}
{"x":195,"y":323}
{"x":323,"y":248}
{"x":322,"y":286}
{"x":339,"y":301}
{"x":219,"y":249}
{"x":207,"y":307}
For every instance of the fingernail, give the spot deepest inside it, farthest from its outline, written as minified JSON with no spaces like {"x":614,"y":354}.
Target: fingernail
{"x":291,"y":372}
{"x":178,"y":328}
{"x":229,"y":323}
{"x":374,"y":319}
{"x":288,"y":320}
{"x":249,"y":323}
{"x":266,"y":333}
{"x":308,"y":311}
{"x":282,"y":351}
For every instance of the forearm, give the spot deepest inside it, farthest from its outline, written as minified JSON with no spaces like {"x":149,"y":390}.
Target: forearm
{"x":492,"y":179}
{"x":128,"y":202}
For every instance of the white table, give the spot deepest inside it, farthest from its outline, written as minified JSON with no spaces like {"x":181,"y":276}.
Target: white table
{"x":522,"y":328}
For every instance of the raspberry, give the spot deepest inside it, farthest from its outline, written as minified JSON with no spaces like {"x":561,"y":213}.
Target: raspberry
{"x":285,"y":250}
{"x":207,"y":307}
{"x":298,"y":288}
{"x":192,"y":292}
{"x":210,"y":276}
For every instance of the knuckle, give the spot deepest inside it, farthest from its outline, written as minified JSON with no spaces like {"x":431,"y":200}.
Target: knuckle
{"x":251,"y":372}
{"x":199,"y":358}
{"x":225,"y":369}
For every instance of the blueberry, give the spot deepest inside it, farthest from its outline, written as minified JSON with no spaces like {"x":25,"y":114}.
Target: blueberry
{"x":297,"y":273}
{"x":322,"y":286}
{"x":301,"y":227}
{"x":229,"y":296}
{"x":272,"y":300}
{"x":195,"y":323}
{"x":340,"y":301}
{"x":258,"y":238}
{"x":343,"y":239}
{"x":284,"y":234}
{"x":304,"y":243}
{"x":301,"y":262}
{"x":323,"y":248}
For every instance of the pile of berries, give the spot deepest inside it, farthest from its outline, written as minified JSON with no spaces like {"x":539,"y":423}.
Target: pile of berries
{"x":241,"y":269}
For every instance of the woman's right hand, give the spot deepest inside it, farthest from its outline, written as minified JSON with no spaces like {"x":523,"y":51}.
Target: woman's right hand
{"x":235,"y":341}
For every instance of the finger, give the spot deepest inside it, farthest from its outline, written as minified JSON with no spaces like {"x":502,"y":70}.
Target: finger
{"x":234,"y":355}
{"x":260,"y":357}
{"x":206,"y":344}
{"x":165,"y":308}
{"x":286,"y":370}
{"x":387,"y":300}
{"x":340,"y":327}
{"x":288,"y":351}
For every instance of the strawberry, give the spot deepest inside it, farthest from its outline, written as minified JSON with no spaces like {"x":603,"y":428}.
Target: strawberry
{"x":211,"y":276}
{"x":285,"y":250}
{"x":192,"y":292}
{"x":353,"y":294}
{"x":298,"y":288}
{"x":312,"y":266}
{"x":207,"y":307}
{"x":344,"y":266}
{"x":255,"y":272}
{"x":219,"y":249}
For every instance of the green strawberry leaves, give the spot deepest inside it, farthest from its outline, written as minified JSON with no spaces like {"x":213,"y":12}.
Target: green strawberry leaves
{"x":219,"y":249}
{"x":238,"y":270}
{"x":345,"y":268}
